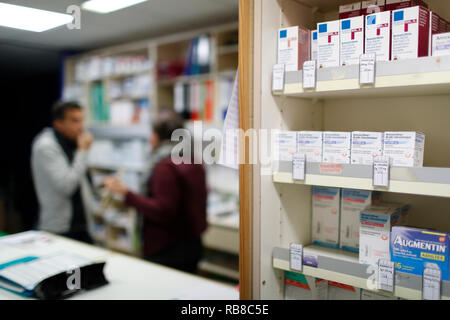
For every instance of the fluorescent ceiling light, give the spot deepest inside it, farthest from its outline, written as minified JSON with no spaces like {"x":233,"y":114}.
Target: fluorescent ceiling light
{"x":107,"y":6}
{"x":31,"y":19}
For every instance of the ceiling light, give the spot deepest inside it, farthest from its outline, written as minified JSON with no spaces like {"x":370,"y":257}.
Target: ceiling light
{"x":107,"y":6}
{"x":31,"y":19}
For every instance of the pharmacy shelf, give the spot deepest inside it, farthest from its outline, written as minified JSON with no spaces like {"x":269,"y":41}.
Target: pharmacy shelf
{"x":120,"y":132}
{"x":115,"y":167}
{"x":344,"y":267}
{"x":222,"y":238}
{"x":422,"y":76}
{"x":418,"y":181}
{"x":234,"y":48}
{"x":218,"y":269}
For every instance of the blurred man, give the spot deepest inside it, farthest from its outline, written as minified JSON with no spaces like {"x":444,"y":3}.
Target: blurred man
{"x":174,"y":208}
{"x":59,"y":167}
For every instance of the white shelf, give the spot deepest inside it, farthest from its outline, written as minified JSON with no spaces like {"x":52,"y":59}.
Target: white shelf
{"x":222,"y":239}
{"x":422,"y":76}
{"x":115,"y":167}
{"x":419,"y":181}
{"x":120,"y":132}
{"x":344,"y":267}
{"x":219,"y":269}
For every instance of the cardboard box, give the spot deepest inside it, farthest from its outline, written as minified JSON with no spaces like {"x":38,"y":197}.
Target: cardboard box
{"x":286,"y":145}
{"x":434,"y":29}
{"x":340,"y":291}
{"x":328,"y":43}
{"x":310,"y":143}
{"x":374,"y":233}
{"x":325,"y":216}
{"x":366,"y":146}
{"x":352,"y":203}
{"x":405,"y":149}
{"x":441,"y":44}
{"x":314,"y":45}
{"x":293,"y":47}
{"x":412,"y":249}
{"x":336,"y":147}
{"x":378,"y":35}
{"x":301,"y":287}
{"x":352,"y":40}
{"x":442,"y":25}
{"x":370,"y":295}
{"x":401,"y":4}
{"x":410,"y":33}
{"x":372,"y":6}
{"x":350,"y":10}
{"x":402,"y":208}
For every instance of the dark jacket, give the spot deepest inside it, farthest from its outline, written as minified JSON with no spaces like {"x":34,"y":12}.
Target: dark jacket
{"x":175,"y":209}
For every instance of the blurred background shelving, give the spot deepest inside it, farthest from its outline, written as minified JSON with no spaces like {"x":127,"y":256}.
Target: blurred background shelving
{"x":123,"y":88}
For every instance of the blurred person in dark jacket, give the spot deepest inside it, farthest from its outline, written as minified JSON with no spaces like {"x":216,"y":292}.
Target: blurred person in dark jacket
{"x":174,"y":209}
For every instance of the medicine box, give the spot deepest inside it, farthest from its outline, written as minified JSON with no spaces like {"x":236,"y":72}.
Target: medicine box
{"x":314,"y":45}
{"x":434,"y":29}
{"x":285,"y":144}
{"x":310,"y":144}
{"x":441,"y":44}
{"x":378,"y":35}
{"x":301,"y":287}
{"x":410,"y":33}
{"x":293,"y":47}
{"x":328,"y":43}
{"x":374,"y":233}
{"x":352,"y":203}
{"x":350,"y":10}
{"x":340,"y":291}
{"x":401,"y":4}
{"x":352,"y":40}
{"x":336,"y":147}
{"x":372,"y":6}
{"x":366,"y":146}
{"x":443,"y":25}
{"x":412,"y":250}
{"x":405,"y":149}
{"x":403,"y":209}
{"x":325,"y":216}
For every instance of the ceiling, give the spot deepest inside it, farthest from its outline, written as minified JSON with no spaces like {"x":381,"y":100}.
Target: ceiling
{"x":27,"y":53}
{"x":148,"y":19}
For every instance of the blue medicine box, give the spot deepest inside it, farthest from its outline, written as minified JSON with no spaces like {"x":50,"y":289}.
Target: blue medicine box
{"x":412,"y":249}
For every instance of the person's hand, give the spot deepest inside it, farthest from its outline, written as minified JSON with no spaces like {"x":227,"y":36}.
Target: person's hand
{"x":84,"y":141}
{"x":113,"y":184}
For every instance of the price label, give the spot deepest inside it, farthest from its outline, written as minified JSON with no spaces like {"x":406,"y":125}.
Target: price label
{"x":381,"y":171}
{"x":367,"y":69}
{"x":386,"y":275}
{"x":431,"y":284}
{"x":309,"y":74}
{"x":296,"y":257}
{"x":278,"y":77}
{"x":298,"y":166}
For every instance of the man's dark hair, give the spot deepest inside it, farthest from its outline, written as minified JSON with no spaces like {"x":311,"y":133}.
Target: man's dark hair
{"x":166,"y":123}
{"x":60,"y":108}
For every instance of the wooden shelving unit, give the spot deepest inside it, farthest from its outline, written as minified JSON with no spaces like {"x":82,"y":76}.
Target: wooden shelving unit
{"x":410,"y":95}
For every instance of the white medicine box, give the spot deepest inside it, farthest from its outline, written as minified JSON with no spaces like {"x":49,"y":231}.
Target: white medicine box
{"x":336,"y":147}
{"x":410,"y":33}
{"x":352,"y":40}
{"x":328,"y":44}
{"x":378,"y":35}
{"x":405,"y":149}
{"x":366,"y":146}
